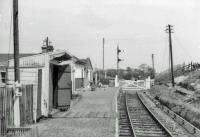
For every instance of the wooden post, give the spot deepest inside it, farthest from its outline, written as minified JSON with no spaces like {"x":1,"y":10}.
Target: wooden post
{"x":16,"y":61}
{"x":103,"y":52}
{"x":153,"y":66}
{"x":169,"y":28}
{"x":117,"y":59}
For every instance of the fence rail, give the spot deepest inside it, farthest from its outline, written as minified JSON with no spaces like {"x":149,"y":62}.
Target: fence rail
{"x":193,"y":66}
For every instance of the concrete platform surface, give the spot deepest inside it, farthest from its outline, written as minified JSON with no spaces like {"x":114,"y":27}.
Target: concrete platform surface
{"x":93,"y":116}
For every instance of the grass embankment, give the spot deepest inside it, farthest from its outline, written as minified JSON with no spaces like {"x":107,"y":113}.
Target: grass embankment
{"x":191,"y":81}
{"x":187,"y":106}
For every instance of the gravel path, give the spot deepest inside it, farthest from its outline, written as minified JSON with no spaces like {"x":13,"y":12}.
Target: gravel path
{"x":93,"y":116}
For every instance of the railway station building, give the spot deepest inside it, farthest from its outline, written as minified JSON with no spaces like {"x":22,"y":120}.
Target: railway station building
{"x":55,"y":76}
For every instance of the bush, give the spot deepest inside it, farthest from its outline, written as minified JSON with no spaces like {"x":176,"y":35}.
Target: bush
{"x":104,"y":81}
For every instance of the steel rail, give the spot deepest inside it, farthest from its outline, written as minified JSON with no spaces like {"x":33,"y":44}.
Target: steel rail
{"x":193,"y":130}
{"x":149,"y":112}
{"x":153,"y":116}
{"x":128,"y":113}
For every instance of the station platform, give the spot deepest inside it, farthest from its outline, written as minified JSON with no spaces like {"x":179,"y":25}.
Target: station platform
{"x":94,"y":115}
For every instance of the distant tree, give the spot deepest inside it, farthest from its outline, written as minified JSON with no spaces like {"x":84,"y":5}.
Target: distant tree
{"x":142,"y":72}
{"x":111,"y":72}
{"x":129,"y":74}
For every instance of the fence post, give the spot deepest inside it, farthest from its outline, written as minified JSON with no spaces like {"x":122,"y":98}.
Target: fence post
{"x":148,"y":82}
{"x":3,"y":126}
{"x":116,"y":81}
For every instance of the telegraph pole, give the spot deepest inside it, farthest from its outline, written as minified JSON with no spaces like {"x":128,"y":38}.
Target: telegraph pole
{"x":104,"y":59}
{"x":169,"y":30}
{"x":16,"y":40}
{"x":153,"y":65}
{"x":103,"y":52}
{"x":16,"y":62}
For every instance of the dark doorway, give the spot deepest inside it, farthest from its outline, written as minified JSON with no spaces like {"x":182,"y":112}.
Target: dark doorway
{"x":62,"y":87}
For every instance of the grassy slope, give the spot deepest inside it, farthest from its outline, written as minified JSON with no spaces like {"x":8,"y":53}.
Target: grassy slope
{"x":191,"y":81}
{"x":183,"y":105}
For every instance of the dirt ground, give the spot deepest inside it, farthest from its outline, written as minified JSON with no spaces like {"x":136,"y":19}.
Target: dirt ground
{"x":93,"y":116}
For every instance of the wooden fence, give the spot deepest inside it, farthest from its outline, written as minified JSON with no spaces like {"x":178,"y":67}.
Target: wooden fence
{"x":191,"y":67}
{"x":26,"y":105}
{"x":6,"y":109}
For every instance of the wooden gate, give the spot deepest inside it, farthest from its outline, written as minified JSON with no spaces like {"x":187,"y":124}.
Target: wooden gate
{"x":6,"y":108}
{"x":64,"y":87}
{"x":2,"y":110}
{"x":26,"y":105}
{"x":134,"y":85}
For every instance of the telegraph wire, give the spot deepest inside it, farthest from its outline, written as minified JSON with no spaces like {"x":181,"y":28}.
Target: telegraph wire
{"x":179,"y":43}
{"x":10,"y":33}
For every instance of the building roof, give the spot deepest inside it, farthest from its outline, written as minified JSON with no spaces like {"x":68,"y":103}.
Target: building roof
{"x":5,"y":56}
{"x":87,"y":63}
{"x":56,"y":58}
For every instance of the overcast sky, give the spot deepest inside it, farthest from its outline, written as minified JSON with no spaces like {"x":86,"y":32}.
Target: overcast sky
{"x":79,"y":26}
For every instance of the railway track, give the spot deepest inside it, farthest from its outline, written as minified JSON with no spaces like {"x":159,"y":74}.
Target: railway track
{"x":135,"y":120}
{"x":125,"y":128}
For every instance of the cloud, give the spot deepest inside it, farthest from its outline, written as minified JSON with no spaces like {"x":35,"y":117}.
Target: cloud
{"x":96,"y":16}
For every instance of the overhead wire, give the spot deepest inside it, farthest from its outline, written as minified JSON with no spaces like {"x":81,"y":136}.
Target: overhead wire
{"x":10,"y":33}
{"x":164,"y":52}
{"x":9,"y":40}
{"x":180,"y":45}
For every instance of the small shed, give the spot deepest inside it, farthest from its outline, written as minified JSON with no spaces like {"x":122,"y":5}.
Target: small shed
{"x":4,"y":57}
{"x":55,"y":76}
{"x":49,"y":77}
{"x":83,"y":73}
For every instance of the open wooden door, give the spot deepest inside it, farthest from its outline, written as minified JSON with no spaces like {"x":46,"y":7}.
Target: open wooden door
{"x":39,"y":94}
{"x":64,"y":87}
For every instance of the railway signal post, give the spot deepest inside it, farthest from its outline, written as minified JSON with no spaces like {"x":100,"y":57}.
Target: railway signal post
{"x":118,"y":60}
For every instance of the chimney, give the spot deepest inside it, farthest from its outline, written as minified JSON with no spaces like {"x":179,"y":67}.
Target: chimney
{"x":47,"y":47}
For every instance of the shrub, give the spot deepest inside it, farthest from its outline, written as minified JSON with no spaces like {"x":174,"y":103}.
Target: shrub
{"x":104,"y":81}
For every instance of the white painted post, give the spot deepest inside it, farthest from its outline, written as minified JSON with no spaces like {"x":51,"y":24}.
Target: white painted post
{"x":96,"y":78}
{"x":148,"y":83}
{"x":116,"y":81}
{"x":16,"y":112}
{"x":16,"y":104}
